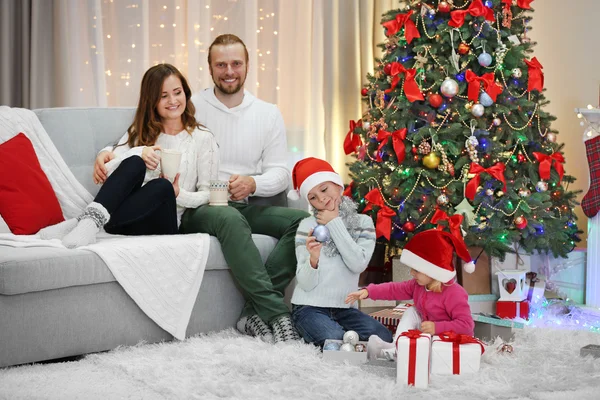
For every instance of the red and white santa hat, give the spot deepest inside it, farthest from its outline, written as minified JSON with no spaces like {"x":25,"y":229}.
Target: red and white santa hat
{"x":432,"y":253}
{"x":310,"y":172}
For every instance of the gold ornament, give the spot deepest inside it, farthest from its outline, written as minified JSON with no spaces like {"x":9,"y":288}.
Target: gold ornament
{"x":386,"y":181}
{"x":431,"y":160}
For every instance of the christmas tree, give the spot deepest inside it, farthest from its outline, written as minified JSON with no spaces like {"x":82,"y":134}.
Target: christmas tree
{"x":455,"y":135}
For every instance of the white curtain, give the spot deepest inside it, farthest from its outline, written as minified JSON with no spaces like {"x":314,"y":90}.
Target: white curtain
{"x":310,"y":57}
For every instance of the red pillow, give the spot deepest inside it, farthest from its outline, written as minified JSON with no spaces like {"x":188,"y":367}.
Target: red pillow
{"x":27,"y":201}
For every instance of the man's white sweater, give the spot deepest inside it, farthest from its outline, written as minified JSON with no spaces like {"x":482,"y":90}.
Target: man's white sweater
{"x":251,"y":138}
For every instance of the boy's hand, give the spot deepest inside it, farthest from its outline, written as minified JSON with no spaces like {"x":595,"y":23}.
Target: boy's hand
{"x":360,"y":295}
{"x":428,"y":327}
{"x":324,"y":216}
{"x":314,"y":248}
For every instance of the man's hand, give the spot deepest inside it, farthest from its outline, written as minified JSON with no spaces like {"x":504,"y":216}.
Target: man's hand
{"x":360,"y":295}
{"x":324,"y":216}
{"x":314,"y":248}
{"x":151,"y":157}
{"x":100,"y":173}
{"x":241,"y":186}
{"x":428,"y":327}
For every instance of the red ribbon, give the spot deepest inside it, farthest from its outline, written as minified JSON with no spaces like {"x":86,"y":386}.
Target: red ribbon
{"x":411,"y":89}
{"x":413,"y":335}
{"x":457,"y":340}
{"x":536,"y":76}
{"x":524,"y":4}
{"x":383,"y":227}
{"x":546,"y":162}
{"x":352,"y":141}
{"x":397,"y":142}
{"x":454,"y":222}
{"x":489,"y":84}
{"x":348,"y":190}
{"x":496,"y":171}
{"x":476,"y":9}
{"x":410,"y":29}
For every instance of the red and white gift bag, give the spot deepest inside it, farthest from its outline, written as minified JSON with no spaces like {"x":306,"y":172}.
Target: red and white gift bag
{"x":412,"y":358}
{"x":454,"y":354}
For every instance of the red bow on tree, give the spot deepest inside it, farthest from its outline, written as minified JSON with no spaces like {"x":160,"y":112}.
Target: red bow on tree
{"x":383,"y":227}
{"x":411,"y":89}
{"x":536,"y":76}
{"x":402,"y":20}
{"x":352,"y":141}
{"x":348,"y":190}
{"x":476,"y":9}
{"x":496,"y":171}
{"x":546,"y":162}
{"x":453,"y":337}
{"x":397,"y":141}
{"x":454,"y":222}
{"x":524,"y":4}
{"x":489,"y":84}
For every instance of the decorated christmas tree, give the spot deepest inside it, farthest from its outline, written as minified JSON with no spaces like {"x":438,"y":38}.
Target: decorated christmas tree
{"x":455,"y":134}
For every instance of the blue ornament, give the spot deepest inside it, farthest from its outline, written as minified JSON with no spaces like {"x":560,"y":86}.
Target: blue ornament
{"x":485,"y":59}
{"x":485,"y":99}
{"x":332,"y":346}
{"x":321,"y":233}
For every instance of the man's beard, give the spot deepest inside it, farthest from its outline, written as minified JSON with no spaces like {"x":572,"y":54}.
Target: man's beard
{"x":230,"y":90}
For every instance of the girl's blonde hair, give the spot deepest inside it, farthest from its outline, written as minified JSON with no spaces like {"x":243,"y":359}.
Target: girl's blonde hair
{"x":435,"y":286}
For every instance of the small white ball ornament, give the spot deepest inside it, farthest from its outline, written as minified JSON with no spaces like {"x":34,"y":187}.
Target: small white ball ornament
{"x":477,"y":110}
{"x":449,"y":87}
{"x":516,"y":73}
{"x":484,"y":59}
{"x":351,"y":337}
{"x":347,"y":347}
{"x":541,"y":186}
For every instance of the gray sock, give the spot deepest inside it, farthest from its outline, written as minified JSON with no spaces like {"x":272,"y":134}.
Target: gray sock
{"x":58,"y":231}
{"x":94,"y":217}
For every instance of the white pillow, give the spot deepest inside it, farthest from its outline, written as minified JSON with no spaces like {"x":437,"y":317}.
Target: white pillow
{"x":3,"y":227}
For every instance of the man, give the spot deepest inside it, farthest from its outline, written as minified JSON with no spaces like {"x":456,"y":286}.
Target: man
{"x":252,"y":140}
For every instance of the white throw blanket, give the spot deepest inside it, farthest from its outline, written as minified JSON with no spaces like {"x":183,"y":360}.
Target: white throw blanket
{"x":162,"y":274}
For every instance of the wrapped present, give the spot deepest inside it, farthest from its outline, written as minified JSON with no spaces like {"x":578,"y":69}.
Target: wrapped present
{"x":390,"y":317}
{"x":412,"y":358}
{"x":512,"y":309}
{"x":489,"y":327}
{"x":454,"y":354}
{"x":535,"y":286}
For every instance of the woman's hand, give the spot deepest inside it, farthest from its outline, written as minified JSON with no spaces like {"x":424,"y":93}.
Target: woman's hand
{"x":360,"y":295}
{"x":314,"y":248}
{"x":150,"y":157}
{"x":428,"y":327}
{"x":100,"y":172}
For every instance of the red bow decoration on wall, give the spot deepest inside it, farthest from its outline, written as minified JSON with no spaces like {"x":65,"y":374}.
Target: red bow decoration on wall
{"x":496,"y":171}
{"x":383,"y":227}
{"x":454,"y":222}
{"x":352,"y":141}
{"x":397,"y":141}
{"x":536,"y":76}
{"x":546,"y":162}
{"x":476,"y":9}
{"x":402,"y":20}
{"x":411,"y":89}
{"x":489,"y":84}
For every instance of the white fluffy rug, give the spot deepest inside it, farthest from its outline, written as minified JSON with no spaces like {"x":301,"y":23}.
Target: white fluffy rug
{"x":545,"y":365}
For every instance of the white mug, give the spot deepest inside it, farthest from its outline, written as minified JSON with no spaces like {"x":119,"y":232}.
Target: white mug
{"x":170,"y":159}
{"x":219,"y":193}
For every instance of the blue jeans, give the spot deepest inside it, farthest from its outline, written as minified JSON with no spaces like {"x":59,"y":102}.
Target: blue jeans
{"x":316,"y":324}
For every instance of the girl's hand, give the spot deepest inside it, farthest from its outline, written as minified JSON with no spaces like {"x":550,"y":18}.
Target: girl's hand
{"x":314,"y":248}
{"x":428,"y":327}
{"x":360,"y":295}
{"x":324,"y":216}
{"x":150,"y":157}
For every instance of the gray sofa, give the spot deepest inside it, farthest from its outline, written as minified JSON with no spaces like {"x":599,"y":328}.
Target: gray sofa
{"x":56,"y":303}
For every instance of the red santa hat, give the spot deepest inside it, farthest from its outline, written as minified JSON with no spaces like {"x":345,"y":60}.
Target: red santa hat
{"x":310,"y":172}
{"x":432,"y":253}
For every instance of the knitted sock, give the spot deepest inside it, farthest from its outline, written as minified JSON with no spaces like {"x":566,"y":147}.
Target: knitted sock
{"x":58,"y":231}
{"x":378,"y":349}
{"x":591,"y":201}
{"x":94,"y":217}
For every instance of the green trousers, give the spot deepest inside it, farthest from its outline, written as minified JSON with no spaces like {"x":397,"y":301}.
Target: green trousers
{"x":263,"y":285}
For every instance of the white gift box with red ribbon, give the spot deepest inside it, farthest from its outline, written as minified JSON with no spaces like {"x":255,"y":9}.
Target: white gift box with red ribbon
{"x":454,"y":354}
{"x":412,"y":358}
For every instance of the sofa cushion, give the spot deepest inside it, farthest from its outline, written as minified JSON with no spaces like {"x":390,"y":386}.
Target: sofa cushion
{"x":27,"y":201}
{"x":34,"y":269}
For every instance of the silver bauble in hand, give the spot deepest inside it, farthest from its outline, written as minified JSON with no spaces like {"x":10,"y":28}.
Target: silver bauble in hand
{"x":321,"y":233}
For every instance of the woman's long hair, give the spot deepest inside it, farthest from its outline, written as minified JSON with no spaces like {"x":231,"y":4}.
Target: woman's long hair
{"x":147,"y":123}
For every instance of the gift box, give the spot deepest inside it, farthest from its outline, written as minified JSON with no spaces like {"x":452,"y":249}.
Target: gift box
{"x":453,"y":354}
{"x":332,"y":352}
{"x":413,"y":350}
{"x":488,"y":327}
{"x":390,"y":317}
{"x":535,"y":286}
{"x":512,"y":309}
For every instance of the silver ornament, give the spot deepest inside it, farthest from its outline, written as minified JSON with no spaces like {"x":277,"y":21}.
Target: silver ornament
{"x":449,"y":87}
{"x":541,"y":186}
{"x":472,"y":141}
{"x":347,"y":347}
{"x":485,"y":59}
{"x":351,"y":337}
{"x":360,"y":348}
{"x":442,"y":200}
{"x":496,"y":121}
{"x":485,"y":99}
{"x":489,"y":192}
{"x":321,"y":233}
{"x":524,"y":192}
{"x":551,"y":137}
{"x":477,"y":110}
{"x":366,"y":125}
{"x":332,"y":346}
{"x":516,"y":73}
